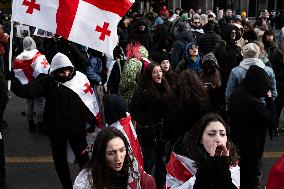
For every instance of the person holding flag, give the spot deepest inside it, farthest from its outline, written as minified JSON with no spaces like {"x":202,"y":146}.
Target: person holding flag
{"x":70,"y":104}
{"x":29,"y":65}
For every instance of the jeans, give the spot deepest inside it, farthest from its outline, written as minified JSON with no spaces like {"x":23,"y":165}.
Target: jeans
{"x":36,"y":104}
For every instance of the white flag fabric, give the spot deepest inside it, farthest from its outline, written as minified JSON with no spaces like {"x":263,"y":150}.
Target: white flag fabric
{"x":82,"y":87}
{"x":29,"y":64}
{"x":181,"y":173}
{"x":92,"y":23}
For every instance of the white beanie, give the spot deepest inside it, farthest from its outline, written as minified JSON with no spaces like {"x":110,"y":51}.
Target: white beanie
{"x":250,"y":50}
{"x":60,"y":61}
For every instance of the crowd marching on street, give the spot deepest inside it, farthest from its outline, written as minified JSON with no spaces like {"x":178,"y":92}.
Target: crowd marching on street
{"x":185,"y":100}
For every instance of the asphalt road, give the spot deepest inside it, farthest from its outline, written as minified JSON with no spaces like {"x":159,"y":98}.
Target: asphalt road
{"x":29,"y":163}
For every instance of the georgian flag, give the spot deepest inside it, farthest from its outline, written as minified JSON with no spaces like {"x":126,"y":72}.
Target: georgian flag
{"x":29,"y":64}
{"x":92,"y":23}
{"x":126,"y":127}
{"x":82,"y":87}
{"x":181,"y":173}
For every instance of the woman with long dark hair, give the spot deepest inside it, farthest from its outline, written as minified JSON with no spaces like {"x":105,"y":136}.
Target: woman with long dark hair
{"x":111,"y":166}
{"x":150,"y":107}
{"x":205,"y":157}
{"x":193,"y":102}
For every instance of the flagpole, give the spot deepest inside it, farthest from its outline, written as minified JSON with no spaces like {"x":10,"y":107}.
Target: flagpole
{"x":11,"y":48}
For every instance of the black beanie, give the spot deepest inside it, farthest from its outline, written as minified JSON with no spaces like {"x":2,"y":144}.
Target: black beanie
{"x":115,"y":108}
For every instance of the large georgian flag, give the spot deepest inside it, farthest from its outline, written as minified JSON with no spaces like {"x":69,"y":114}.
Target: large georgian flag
{"x":92,"y":23}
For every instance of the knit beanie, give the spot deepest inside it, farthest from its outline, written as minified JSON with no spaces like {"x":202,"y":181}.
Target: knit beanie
{"x":250,"y":50}
{"x":184,"y":17}
{"x":115,"y":108}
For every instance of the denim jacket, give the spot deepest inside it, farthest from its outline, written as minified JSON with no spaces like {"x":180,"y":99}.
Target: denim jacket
{"x":238,"y":73}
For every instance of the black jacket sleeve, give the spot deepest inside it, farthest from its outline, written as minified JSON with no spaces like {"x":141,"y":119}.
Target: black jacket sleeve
{"x":34,"y":89}
{"x":214,"y":173}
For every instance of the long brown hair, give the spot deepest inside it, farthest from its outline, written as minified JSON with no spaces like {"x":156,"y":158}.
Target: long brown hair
{"x":149,"y":85}
{"x":190,"y":86}
{"x":98,"y":164}
{"x":196,"y":149}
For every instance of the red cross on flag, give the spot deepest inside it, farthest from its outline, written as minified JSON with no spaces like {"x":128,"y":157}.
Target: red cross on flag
{"x":92,"y":23}
{"x":29,"y":64}
{"x":81,"y":86}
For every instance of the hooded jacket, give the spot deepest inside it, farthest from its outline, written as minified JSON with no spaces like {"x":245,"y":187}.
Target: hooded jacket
{"x":188,"y":63}
{"x":238,"y":74}
{"x":177,"y":52}
{"x":227,"y":53}
{"x":64,"y":112}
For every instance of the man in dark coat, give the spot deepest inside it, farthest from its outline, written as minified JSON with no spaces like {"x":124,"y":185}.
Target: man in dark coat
{"x":209,"y":40}
{"x":250,"y":119}
{"x":64,"y":115}
{"x":142,"y":34}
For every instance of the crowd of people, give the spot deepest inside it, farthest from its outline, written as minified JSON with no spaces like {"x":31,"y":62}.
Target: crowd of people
{"x":200,"y":89}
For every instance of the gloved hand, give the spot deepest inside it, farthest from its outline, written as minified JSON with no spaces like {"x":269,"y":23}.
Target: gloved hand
{"x":10,"y":75}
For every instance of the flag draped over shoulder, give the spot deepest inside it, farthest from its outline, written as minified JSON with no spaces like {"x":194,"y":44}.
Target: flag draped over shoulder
{"x":92,"y":23}
{"x":181,"y":173}
{"x":82,"y":87}
{"x":126,"y":127}
{"x":29,"y":64}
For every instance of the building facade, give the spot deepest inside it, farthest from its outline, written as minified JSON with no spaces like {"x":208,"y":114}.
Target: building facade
{"x":250,"y":6}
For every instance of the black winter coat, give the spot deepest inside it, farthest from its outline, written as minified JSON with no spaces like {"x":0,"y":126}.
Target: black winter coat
{"x":277,"y":63}
{"x":64,"y":111}
{"x":214,"y":173}
{"x":250,"y":119}
{"x":148,"y":110}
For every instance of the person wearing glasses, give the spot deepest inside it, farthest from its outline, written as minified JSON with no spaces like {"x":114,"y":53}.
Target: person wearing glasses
{"x":191,"y":59}
{"x":196,"y":28}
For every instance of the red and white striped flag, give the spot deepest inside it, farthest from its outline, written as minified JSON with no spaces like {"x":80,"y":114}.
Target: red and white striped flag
{"x":29,"y":64}
{"x":92,"y":23}
{"x":126,"y":127}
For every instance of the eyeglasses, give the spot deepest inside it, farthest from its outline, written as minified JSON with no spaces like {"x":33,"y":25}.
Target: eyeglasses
{"x":196,"y":22}
{"x":194,"y":47}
